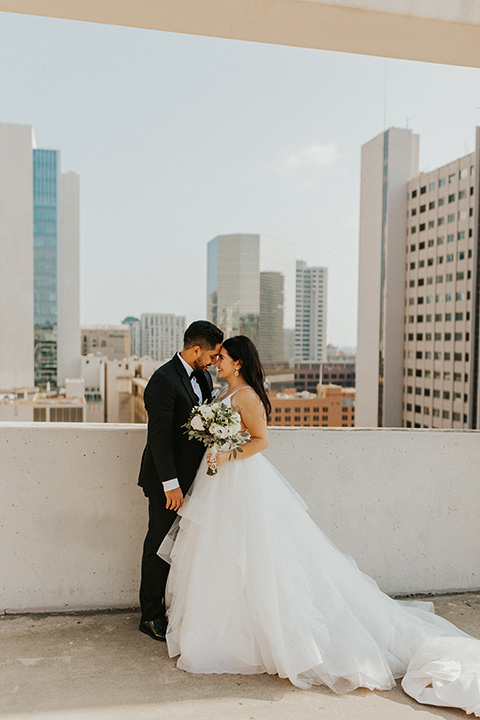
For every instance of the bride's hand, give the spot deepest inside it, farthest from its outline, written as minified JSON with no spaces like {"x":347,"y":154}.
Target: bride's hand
{"x":218,"y":458}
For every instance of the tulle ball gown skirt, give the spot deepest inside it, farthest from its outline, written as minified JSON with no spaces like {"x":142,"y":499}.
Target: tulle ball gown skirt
{"x":256,"y":587}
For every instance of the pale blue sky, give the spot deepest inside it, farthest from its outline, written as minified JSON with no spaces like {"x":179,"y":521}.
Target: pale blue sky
{"x":179,"y":138}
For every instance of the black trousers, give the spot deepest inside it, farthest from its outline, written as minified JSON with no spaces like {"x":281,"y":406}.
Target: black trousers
{"x":154,"y":569}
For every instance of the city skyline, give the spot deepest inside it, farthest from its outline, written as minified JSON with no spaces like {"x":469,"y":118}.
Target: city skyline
{"x":417,"y":358}
{"x":178,"y":139}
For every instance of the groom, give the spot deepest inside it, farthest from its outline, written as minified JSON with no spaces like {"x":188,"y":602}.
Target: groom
{"x":170,"y":460}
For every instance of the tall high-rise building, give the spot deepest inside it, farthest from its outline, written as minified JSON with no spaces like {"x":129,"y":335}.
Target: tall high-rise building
{"x":16,"y":249}
{"x":251,"y":291}
{"x":39,"y":280}
{"x":432,"y":287}
{"x":135,"y":341}
{"x":311,"y":313}
{"x":389,"y":161}
{"x":161,"y":335}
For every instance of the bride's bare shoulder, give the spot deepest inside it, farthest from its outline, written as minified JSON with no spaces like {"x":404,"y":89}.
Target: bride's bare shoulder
{"x":247,"y":399}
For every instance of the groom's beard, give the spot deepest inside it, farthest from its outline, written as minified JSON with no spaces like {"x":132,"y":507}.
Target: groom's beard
{"x":198,"y":366}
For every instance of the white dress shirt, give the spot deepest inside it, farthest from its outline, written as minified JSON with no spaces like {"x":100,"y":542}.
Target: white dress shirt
{"x":173,"y":483}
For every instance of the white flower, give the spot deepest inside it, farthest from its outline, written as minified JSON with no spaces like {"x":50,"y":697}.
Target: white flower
{"x":206,"y":412}
{"x":197,"y":423}
{"x":218,"y":431}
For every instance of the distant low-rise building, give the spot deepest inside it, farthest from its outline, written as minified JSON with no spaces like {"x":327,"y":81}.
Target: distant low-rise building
{"x":113,"y":341}
{"x":34,"y":406}
{"x":309,"y":375}
{"x":114,"y":388}
{"x":333,"y":406}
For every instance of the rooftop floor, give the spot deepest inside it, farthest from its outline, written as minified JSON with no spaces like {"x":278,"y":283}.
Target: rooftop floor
{"x":98,"y":666}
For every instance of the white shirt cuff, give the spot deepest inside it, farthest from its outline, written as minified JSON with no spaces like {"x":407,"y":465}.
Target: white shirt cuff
{"x":170,"y":484}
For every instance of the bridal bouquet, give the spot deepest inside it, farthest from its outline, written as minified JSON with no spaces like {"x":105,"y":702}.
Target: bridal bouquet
{"x":216,"y":426}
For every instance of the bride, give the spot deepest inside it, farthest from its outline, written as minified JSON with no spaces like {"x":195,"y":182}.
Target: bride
{"x":255,"y":586}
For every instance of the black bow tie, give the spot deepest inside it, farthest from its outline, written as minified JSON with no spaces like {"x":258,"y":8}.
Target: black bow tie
{"x":197,"y":374}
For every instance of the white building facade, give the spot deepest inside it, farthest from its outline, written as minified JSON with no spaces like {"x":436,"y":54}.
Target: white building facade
{"x":311,"y":313}
{"x":389,"y":162}
{"x":161,"y":335}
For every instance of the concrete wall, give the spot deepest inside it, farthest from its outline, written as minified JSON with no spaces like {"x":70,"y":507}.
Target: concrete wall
{"x":404,"y":504}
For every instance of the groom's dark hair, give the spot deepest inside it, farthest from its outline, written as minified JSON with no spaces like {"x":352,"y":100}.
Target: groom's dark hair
{"x":203,"y":333}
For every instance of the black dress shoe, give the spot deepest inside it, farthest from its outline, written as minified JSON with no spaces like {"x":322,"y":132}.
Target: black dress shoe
{"x":157,"y":628}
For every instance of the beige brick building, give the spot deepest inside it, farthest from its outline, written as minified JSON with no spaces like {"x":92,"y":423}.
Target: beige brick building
{"x":113,"y":341}
{"x":334,"y":406}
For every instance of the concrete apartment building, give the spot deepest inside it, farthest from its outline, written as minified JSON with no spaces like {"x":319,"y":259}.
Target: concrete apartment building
{"x":161,"y":335}
{"x":251,"y":291}
{"x":333,"y":406}
{"x":113,"y":341}
{"x":418,"y":337}
{"x":440,"y":370}
{"x":311,"y":313}
{"x":39,"y":273}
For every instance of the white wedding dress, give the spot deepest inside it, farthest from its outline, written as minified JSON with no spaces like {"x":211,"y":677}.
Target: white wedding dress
{"x":255,"y":586}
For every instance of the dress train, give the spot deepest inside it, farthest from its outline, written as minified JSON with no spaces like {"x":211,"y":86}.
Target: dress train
{"x":255,"y":586}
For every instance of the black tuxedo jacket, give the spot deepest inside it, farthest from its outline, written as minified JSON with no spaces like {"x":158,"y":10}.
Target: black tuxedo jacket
{"x":169,"y":398}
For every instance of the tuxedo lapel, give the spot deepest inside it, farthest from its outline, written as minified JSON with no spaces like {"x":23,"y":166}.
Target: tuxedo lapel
{"x":204,"y":386}
{"x":188,"y":385}
{"x":185,"y":379}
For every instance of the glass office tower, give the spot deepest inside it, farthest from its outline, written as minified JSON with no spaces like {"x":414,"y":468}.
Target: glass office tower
{"x":46,"y":185}
{"x":251,"y":291}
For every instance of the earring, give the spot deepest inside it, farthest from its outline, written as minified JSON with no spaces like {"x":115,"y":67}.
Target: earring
{"x":237,"y":373}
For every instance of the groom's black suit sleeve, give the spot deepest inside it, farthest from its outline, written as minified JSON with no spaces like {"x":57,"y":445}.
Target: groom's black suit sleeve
{"x":160,"y":406}
{"x":168,"y":454}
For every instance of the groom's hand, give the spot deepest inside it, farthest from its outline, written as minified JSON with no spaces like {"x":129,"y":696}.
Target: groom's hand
{"x":174,"y":499}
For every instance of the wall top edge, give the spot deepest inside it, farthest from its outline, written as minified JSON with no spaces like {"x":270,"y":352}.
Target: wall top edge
{"x":142,"y":427}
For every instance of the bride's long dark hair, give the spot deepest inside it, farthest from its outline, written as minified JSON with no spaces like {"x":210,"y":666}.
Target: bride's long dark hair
{"x":243,"y":350}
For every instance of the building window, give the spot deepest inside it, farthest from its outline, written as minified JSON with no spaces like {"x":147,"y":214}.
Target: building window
{"x":423,"y":190}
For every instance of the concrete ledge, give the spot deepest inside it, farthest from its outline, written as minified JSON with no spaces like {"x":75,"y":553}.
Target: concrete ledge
{"x":413,"y":31}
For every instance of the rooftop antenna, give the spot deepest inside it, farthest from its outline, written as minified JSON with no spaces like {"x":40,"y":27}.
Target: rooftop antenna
{"x":385,"y":96}
{"x":412,"y":117}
